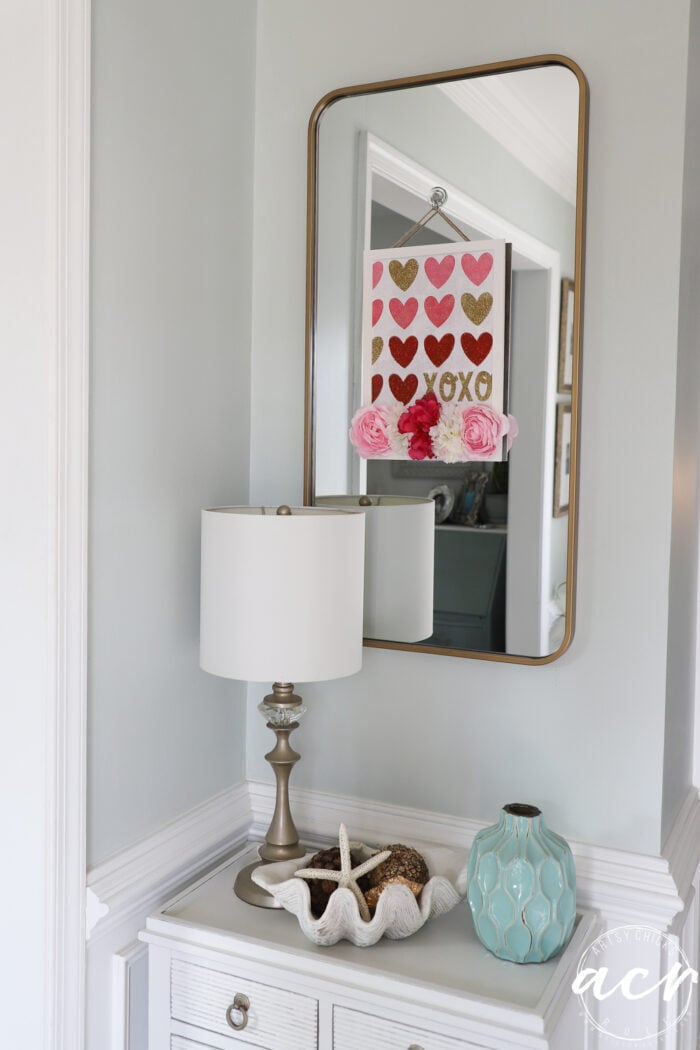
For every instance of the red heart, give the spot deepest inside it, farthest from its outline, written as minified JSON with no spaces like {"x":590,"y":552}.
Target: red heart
{"x":438,"y":350}
{"x":377,"y":384}
{"x":377,"y":271}
{"x":403,"y":350}
{"x":477,"y":349}
{"x":403,"y":313}
{"x":403,"y":389}
{"x":438,"y":312}
{"x":377,"y":307}
{"x":439,"y":272}
{"x":477,"y":270}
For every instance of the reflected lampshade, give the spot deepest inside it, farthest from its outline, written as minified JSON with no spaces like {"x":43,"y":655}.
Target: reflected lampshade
{"x":281,"y":596}
{"x":399,"y":565}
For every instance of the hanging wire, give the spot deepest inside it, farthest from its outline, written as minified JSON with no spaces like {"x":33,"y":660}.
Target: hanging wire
{"x":438,"y":198}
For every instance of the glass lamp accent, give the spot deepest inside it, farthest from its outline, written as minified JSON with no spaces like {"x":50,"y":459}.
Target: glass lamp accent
{"x":399,"y":564}
{"x":281,"y":601}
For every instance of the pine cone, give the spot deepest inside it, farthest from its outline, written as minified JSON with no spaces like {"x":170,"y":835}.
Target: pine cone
{"x":405,"y":865}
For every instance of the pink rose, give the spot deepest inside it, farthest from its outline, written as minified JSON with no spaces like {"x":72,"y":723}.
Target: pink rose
{"x":482,"y":431}
{"x":369,"y":433}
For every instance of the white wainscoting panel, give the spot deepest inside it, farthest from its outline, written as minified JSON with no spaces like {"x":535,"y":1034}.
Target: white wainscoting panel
{"x":130,"y":998}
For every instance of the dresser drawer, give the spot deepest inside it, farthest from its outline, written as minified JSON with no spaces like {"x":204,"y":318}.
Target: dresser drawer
{"x":276,"y":1020}
{"x":353,"y":1030}
{"x":178,"y":1042}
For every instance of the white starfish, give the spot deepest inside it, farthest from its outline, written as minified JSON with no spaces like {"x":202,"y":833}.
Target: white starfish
{"x":347,"y":876}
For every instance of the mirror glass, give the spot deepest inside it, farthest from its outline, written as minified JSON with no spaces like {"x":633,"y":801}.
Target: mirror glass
{"x":506,"y":143}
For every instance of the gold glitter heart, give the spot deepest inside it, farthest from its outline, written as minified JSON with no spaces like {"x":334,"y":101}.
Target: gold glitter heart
{"x":377,"y":347}
{"x":405,"y":275}
{"x":477,"y":310}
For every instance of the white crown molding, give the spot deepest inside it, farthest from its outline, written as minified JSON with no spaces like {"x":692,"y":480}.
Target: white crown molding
{"x":505,"y":115}
{"x":150,"y":869}
{"x":411,"y":177}
{"x":68,"y":73}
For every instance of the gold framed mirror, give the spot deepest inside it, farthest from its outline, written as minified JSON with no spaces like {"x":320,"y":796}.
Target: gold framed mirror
{"x":506,"y":142}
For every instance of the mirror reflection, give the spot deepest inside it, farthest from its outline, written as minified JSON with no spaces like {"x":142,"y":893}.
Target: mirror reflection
{"x":507,"y":148}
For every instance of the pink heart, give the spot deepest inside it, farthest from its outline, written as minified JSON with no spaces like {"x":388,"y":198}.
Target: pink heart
{"x":477,"y":270}
{"x":438,"y":312}
{"x":403,"y":313}
{"x":377,"y":307}
{"x":439,"y":272}
{"x":377,"y":271}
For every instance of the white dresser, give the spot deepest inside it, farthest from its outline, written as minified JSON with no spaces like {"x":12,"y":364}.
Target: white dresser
{"x":224,"y":974}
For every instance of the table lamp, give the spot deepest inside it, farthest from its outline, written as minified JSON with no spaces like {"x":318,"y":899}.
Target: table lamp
{"x":399,"y":564}
{"x":281,"y":601}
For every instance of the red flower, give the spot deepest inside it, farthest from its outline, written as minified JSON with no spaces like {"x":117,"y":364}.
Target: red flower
{"x":420,"y":446}
{"x":417,"y":421}
{"x":422,"y":415}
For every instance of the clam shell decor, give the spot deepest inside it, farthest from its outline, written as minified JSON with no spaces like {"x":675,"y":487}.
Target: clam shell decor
{"x":398,"y":913}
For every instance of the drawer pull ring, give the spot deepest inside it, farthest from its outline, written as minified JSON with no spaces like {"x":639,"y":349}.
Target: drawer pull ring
{"x":240,"y":1005}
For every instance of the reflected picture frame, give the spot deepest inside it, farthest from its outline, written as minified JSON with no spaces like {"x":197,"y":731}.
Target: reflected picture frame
{"x":566,"y":337}
{"x":562,"y":461}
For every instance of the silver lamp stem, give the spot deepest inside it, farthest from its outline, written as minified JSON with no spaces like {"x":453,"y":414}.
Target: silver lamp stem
{"x":282,"y":708}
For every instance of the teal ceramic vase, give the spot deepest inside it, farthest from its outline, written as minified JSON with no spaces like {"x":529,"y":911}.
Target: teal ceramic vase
{"x":522,"y":887}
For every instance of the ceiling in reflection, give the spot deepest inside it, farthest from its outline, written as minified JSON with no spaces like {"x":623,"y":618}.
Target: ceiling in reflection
{"x":530,"y":116}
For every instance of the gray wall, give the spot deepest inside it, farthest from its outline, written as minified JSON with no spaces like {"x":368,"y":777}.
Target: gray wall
{"x":683,"y":619}
{"x":583,"y":737}
{"x":171,"y":288}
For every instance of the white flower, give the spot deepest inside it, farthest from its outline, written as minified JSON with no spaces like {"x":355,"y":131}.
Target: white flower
{"x":447,"y":435}
{"x":398,"y":442}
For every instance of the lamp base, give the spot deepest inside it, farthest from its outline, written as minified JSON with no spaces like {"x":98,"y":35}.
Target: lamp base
{"x":249,"y":891}
{"x":281,"y":709}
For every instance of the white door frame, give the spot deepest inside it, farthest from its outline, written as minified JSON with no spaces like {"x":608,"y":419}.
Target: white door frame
{"x":68,"y":33}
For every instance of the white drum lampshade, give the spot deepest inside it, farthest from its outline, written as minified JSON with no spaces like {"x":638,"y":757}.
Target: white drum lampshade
{"x":281,"y":602}
{"x":399,"y":564}
{"x":281,"y":594}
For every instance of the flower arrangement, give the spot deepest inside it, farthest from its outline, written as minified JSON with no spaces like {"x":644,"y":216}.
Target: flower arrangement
{"x":428,"y":429}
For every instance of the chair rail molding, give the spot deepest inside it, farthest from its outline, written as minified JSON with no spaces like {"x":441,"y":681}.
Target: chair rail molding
{"x":68,"y":33}
{"x":623,"y":885}
{"x":626,"y":888}
{"x":152,"y":868}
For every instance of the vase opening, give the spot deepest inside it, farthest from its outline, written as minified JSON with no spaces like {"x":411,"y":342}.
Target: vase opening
{"x":522,"y":809}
